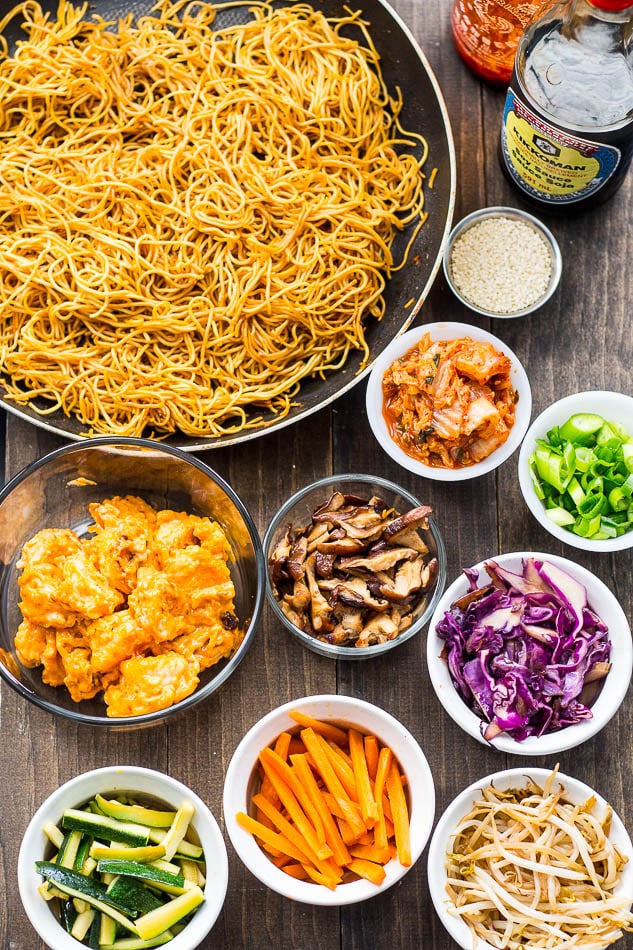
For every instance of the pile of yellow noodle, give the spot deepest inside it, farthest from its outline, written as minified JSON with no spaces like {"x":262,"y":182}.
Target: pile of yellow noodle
{"x":193,"y":220}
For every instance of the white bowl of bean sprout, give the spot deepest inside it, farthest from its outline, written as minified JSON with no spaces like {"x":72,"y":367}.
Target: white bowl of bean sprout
{"x":589,"y":863}
{"x":409,"y":409}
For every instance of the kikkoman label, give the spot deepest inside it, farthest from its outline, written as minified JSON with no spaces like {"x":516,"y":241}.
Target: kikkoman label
{"x":551,"y":164}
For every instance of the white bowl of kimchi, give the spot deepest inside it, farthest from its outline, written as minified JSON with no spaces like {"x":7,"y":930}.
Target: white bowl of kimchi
{"x":536,"y":816}
{"x":448,"y":401}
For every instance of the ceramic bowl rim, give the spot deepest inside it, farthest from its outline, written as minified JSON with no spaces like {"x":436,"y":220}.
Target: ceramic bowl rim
{"x":131,"y":778}
{"x":352,"y":711}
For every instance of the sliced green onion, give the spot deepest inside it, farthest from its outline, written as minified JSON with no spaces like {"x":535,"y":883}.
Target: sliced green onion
{"x":560,"y":516}
{"x":583,"y":474}
{"x":552,"y":468}
{"x":584,"y":457}
{"x":580,"y":427}
{"x":575,"y":491}
{"x":618,"y":499}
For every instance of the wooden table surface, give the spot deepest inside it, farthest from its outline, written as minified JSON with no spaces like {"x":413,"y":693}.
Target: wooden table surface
{"x":581,"y":340}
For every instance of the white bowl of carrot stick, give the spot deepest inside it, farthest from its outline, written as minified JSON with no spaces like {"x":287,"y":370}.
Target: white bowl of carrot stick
{"x":329,"y":800}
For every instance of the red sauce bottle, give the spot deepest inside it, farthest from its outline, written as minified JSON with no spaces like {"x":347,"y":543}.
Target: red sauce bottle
{"x":487,"y":32}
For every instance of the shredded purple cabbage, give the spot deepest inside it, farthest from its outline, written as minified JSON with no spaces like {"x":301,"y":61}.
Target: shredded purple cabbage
{"x":521,"y":649}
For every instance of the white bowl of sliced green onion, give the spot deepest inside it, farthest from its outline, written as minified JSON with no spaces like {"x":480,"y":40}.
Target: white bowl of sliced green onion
{"x":576,"y":470}
{"x":122,"y":856}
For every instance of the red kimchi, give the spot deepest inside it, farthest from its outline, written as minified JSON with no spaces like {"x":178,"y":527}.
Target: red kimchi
{"x":449,"y":403}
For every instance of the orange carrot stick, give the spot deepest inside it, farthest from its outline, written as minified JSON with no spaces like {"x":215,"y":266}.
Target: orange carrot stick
{"x":342,"y":754}
{"x":384,"y":763}
{"x":371,"y":853}
{"x":372,"y":751}
{"x":368,"y":807}
{"x":277,"y":770}
{"x":276,"y":841}
{"x":367,"y":869}
{"x":315,"y":747}
{"x":332,"y":836}
{"x":296,"y":838}
{"x":319,"y":878}
{"x":349,"y":837}
{"x":298,"y":871}
{"x":296,"y":746}
{"x":327,"y":729}
{"x":262,"y":817}
{"x":282,"y":745}
{"x":342,"y":768}
{"x":282,"y":861}
{"x":288,"y":775}
{"x":400,"y":814}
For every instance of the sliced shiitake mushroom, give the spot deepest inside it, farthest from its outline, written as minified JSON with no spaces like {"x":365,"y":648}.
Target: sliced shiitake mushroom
{"x":357,"y":573}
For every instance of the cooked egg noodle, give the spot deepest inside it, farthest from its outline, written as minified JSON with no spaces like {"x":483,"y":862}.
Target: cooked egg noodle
{"x":193,"y":220}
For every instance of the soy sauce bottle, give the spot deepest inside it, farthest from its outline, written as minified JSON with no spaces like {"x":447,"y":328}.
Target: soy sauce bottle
{"x":567,"y":129}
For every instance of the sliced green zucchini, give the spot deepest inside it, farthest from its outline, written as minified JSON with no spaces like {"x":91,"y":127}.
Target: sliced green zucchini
{"x":135,"y":943}
{"x":48,"y":891}
{"x":85,"y":888}
{"x":171,"y":883}
{"x":170,"y":866}
{"x":94,"y":933}
{"x":157,"y":921}
{"x":187,"y":849}
{"x":150,"y":852}
{"x":83,"y":923}
{"x":104,"y":827}
{"x":83,"y":851}
{"x":54,"y":834}
{"x":189,"y":870}
{"x":178,"y":829}
{"x":135,"y":813}
{"x":133,"y":893}
{"x":68,"y":851}
{"x":67,"y":914}
{"x":107,"y":930}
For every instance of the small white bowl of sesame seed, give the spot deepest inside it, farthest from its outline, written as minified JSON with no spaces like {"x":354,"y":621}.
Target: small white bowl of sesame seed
{"x":502,"y":262}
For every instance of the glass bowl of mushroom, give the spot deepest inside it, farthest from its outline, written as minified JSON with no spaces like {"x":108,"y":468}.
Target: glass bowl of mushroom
{"x":355,"y":566}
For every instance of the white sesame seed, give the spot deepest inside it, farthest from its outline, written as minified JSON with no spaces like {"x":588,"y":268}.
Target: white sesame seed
{"x":501,"y":265}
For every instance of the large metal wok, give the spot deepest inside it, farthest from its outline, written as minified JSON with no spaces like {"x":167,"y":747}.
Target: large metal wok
{"x":403,"y":65}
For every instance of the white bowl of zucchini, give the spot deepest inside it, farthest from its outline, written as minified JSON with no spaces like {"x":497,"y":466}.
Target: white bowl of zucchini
{"x":123,"y":857}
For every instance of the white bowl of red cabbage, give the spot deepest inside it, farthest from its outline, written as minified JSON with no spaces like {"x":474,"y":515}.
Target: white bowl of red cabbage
{"x":529,"y":653}
{"x":576,"y":470}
